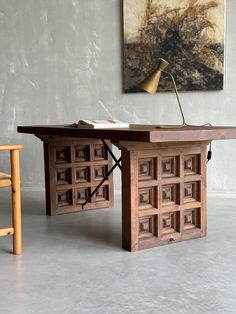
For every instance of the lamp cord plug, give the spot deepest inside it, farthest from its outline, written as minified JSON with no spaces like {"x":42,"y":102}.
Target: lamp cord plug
{"x":209,"y":154}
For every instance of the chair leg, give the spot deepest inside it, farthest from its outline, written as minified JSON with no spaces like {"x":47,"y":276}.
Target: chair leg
{"x":16,"y":202}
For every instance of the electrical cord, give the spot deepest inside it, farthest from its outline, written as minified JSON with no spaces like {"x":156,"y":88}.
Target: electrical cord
{"x":209,"y":154}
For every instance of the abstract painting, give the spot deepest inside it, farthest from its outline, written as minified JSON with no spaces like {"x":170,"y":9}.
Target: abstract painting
{"x":189,"y":34}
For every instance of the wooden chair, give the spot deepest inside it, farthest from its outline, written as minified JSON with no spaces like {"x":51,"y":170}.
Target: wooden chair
{"x":13,"y":180}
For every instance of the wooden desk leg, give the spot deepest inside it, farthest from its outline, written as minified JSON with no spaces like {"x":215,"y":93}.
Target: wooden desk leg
{"x":16,"y":202}
{"x":163,"y":193}
{"x":129,"y":200}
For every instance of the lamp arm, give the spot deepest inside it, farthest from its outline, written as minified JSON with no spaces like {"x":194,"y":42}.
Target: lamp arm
{"x":177,"y":96}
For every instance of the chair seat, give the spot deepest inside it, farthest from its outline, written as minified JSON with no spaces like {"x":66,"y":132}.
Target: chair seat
{"x":5,"y":179}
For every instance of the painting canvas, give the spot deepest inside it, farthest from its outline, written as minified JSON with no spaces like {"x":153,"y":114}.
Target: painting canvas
{"x":189,"y":34}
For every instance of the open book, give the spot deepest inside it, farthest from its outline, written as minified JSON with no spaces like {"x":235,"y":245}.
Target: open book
{"x":102,"y":124}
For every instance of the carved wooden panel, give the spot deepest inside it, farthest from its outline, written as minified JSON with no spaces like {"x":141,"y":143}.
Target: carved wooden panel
{"x":191,"y":164}
{"x":81,"y":195}
{"x":147,"y":169}
{"x":82,"y":153}
{"x":147,"y":198}
{"x":73,"y":169}
{"x":63,"y":176}
{"x":82,"y":174}
{"x":192,"y":219}
{"x":170,"y":195}
{"x":167,"y":194}
{"x":147,"y":227}
{"x":102,"y":194}
{"x":62,"y":154}
{"x":64,"y":198}
{"x":99,"y":152}
{"x":169,"y":223}
{"x":191,"y":191}
{"x":100,"y":172}
{"x":170,"y":167}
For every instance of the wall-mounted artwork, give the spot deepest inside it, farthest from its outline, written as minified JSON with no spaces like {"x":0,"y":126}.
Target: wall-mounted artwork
{"x":189,"y":34}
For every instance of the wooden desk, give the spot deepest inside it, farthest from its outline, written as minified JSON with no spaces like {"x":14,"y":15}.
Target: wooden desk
{"x":163,"y":176}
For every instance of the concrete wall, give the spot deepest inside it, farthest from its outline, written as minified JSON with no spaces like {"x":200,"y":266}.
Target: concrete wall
{"x":60,"y":61}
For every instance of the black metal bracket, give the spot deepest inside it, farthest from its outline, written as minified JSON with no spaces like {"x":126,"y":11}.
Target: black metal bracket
{"x":110,"y":152}
{"x":116,"y":164}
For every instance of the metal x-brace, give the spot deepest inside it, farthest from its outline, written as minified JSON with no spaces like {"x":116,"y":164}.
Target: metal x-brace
{"x":117,"y":163}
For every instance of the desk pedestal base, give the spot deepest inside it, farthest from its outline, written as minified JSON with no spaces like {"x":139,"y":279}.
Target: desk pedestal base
{"x":163,"y":193}
{"x":73,"y":169}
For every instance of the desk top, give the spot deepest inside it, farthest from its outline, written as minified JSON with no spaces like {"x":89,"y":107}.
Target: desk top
{"x":136,"y":132}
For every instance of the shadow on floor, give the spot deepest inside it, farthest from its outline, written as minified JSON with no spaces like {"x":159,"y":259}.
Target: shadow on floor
{"x":101,"y":227}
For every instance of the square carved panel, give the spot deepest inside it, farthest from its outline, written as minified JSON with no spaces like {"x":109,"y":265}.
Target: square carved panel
{"x":102,"y":194}
{"x":147,"y":198}
{"x":63,"y":176}
{"x":170,"y":194}
{"x":82,"y":174}
{"x":147,"y":169}
{"x":82,"y":153}
{"x":169,"y":167}
{"x":99,"y":172}
{"x":191,"y":164}
{"x":192,"y":218}
{"x":81,"y":195}
{"x":62,"y":154}
{"x":64,"y":198}
{"x":191,"y":192}
{"x":147,"y":227}
{"x":169,"y":222}
{"x":99,"y":152}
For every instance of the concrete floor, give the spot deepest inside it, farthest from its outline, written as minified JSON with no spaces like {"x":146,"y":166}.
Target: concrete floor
{"x":74,"y":264}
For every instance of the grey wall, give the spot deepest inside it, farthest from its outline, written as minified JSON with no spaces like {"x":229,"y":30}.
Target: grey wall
{"x":60,"y":61}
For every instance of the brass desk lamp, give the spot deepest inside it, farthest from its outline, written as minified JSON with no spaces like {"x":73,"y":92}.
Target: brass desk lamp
{"x":150,"y":85}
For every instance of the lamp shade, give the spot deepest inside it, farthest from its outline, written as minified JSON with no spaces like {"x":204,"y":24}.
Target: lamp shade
{"x":150,"y":84}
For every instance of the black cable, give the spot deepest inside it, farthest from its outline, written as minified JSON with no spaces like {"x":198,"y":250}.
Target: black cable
{"x":209,"y":154}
